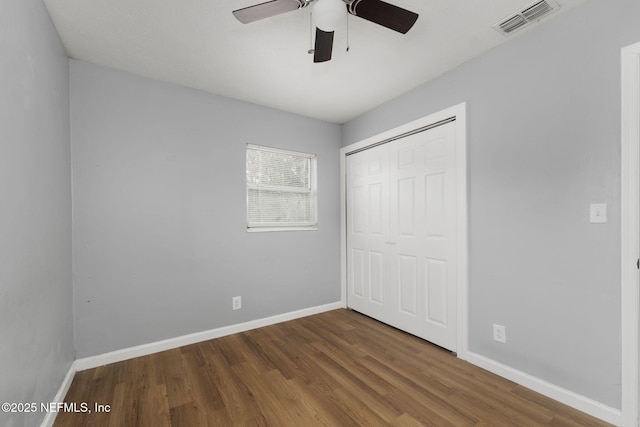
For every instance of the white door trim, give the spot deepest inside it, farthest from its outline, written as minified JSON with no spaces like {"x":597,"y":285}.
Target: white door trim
{"x":630,"y":228}
{"x":459,"y":112}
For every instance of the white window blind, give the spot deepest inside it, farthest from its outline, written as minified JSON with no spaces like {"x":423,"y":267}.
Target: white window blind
{"x":281,"y":189}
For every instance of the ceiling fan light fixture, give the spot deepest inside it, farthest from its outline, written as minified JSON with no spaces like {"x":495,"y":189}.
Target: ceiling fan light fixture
{"x":329,"y":14}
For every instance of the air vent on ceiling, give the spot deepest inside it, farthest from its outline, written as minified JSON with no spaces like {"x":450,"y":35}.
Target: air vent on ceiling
{"x":528,"y":15}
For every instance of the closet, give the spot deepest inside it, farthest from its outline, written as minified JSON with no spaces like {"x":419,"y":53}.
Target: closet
{"x":401,"y":233}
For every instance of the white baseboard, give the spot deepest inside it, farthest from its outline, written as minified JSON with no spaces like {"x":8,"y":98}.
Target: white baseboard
{"x":569,"y":398}
{"x":60,"y":395}
{"x":155,"y":347}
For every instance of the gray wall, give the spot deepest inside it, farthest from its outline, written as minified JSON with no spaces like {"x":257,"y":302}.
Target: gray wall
{"x":543,"y":140}
{"x":36,"y":323}
{"x":159,"y":235}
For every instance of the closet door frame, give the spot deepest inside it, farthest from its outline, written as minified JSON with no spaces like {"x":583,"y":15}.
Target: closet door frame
{"x":457,"y":112}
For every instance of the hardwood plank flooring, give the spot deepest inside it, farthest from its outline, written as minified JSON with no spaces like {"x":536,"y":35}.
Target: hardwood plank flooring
{"x":338,"y":368}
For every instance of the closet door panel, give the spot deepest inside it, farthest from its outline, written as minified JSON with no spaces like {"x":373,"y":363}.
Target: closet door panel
{"x":439,"y":307}
{"x":367,"y":231}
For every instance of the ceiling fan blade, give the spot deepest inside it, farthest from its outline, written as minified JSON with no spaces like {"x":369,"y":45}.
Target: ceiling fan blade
{"x":266,"y":10}
{"x":324,"y":46}
{"x":385,"y":14}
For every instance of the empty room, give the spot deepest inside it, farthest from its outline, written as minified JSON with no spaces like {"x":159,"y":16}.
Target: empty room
{"x":319,"y":212}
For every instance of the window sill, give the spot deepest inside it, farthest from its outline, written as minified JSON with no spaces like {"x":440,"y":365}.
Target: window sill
{"x":269,"y":229}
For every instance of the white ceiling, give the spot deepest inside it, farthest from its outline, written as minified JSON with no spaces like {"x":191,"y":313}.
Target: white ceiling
{"x":199,"y":44}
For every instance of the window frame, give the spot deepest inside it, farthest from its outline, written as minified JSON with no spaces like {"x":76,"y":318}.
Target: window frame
{"x":313,"y":192}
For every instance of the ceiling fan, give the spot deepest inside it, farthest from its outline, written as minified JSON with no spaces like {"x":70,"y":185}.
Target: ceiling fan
{"x":328,"y":14}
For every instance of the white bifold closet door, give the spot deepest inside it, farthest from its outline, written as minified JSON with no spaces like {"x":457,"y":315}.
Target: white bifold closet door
{"x":401,"y":234}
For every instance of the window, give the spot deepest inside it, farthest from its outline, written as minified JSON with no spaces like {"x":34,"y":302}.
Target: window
{"x":281,"y":190}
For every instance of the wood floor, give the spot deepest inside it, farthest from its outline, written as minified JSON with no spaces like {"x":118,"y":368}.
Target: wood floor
{"x":338,"y":368}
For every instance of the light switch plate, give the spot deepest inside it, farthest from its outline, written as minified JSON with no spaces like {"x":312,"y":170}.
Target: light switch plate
{"x":598,"y":213}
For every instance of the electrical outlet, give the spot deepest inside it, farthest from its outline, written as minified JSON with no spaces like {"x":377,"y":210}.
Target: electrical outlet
{"x":499,"y":333}
{"x":236,"y":303}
